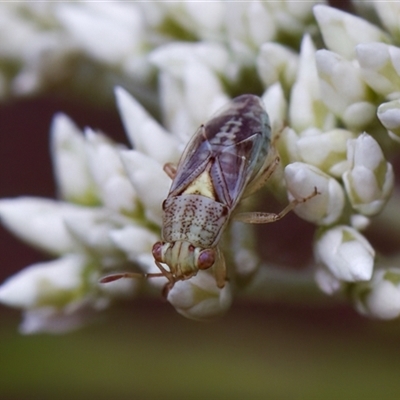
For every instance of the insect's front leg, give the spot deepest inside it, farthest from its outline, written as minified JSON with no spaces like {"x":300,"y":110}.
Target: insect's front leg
{"x":220,"y":269}
{"x":264,"y":218}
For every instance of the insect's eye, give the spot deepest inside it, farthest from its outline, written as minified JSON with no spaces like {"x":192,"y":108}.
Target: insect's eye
{"x":157,"y":251}
{"x":163,"y":204}
{"x":206,"y":259}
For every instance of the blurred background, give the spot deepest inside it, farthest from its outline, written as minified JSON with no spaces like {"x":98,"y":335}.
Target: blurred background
{"x":145,"y":350}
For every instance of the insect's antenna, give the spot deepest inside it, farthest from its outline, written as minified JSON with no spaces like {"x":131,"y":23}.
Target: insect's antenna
{"x":129,"y":275}
{"x":115,"y":277}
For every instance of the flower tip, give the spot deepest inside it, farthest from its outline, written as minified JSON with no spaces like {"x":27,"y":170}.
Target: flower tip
{"x":199,"y":298}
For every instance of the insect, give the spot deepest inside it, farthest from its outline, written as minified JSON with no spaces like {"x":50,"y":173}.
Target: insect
{"x":228,"y":158}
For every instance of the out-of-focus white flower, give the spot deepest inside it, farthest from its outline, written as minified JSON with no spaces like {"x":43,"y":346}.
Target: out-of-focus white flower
{"x":277,"y":63}
{"x":71,"y":170}
{"x":248,"y":26}
{"x":322,"y":209}
{"x":107,"y":32}
{"x":380,"y":297}
{"x":346,"y":254}
{"x":389,"y":115}
{"x":276,"y":106}
{"x":331,"y":154}
{"x":389,"y":16}
{"x":146,"y":175}
{"x":40,"y":222}
{"x":342,"y":31}
{"x":191,"y":99}
{"x":52,"y":283}
{"x":199,"y":297}
{"x":134,"y":240}
{"x":144,"y":133}
{"x":59,"y":295}
{"x":115,"y":191}
{"x":370,"y":179}
{"x":343,"y":90}
{"x":380,"y":67}
{"x":185,"y":20}
{"x":306,"y":109}
{"x":327,"y":282}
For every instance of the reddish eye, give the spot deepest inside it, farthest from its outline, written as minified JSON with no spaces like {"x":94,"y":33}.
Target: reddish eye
{"x":206,"y":259}
{"x":157,"y":251}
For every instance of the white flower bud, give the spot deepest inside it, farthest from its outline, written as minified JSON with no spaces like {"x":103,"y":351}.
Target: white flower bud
{"x":74,"y":181}
{"x":370,"y":179}
{"x":380,"y":67}
{"x":322,"y":209}
{"x":306,"y":108}
{"x":52,"y":283}
{"x":55,"y":320}
{"x":342,"y":31}
{"x":92,"y":231}
{"x":116,"y":191}
{"x":191,"y":99}
{"x":389,"y":16}
{"x":41,"y":222}
{"x":199,"y":297}
{"x":249,"y":24}
{"x":275,"y":102}
{"x":327,"y":282}
{"x":380,"y":297}
{"x":346,"y":253}
{"x":389,"y":115}
{"x":145,"y":134}
{"x":277,"y":63}
{"x":343,"y":90}
{"x":151,"y":183}
{"x":108,"y":34}
{"x":173,"y":57}
{"x":134,"y":240}
{"x":327,"y":150}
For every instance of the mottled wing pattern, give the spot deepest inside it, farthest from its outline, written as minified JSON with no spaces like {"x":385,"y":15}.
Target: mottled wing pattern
{"x":233,"y":144}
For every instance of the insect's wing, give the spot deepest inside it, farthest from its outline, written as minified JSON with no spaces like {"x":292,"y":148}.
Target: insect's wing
{"x":192,"y":162}
{"x":234,"y":142}
{"x":239,"y":136}
{"x":235,"y":166}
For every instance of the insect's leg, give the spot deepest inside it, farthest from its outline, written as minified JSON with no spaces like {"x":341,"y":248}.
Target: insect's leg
{"x":220,"y":269}
{"x":170,"y":170}
{"x":264,"y":218}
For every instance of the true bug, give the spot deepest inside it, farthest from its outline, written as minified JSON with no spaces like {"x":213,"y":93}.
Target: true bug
{"x":227,"y":159}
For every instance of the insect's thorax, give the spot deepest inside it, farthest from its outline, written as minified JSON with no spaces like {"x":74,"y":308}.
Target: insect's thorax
{"x":194,"y":218}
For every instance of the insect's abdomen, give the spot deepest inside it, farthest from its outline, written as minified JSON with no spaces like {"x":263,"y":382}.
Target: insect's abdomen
{"x":194,"y":218}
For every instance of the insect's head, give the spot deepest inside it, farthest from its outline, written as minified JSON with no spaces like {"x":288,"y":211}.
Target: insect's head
{"x":183,"y":259}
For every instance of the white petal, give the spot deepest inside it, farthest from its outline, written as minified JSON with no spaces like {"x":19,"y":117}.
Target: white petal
{"x":149,"y":180}
{"x":40,"y":222}
{"x":145,"y":134}
{"x":134,"y":240}
{"x":324,"y":208}
{"x":346,"y":253}
{"x":73,"y":177}
{"x":199,"y":298}
{"x":115,"y":189}
{"x":39,"y":282}
{"x":342,"y":31}
{"x":101,"y":33}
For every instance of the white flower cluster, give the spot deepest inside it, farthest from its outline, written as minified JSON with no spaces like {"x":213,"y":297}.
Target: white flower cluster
{"x":326,"y":107}
{"x":76,"y":45}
